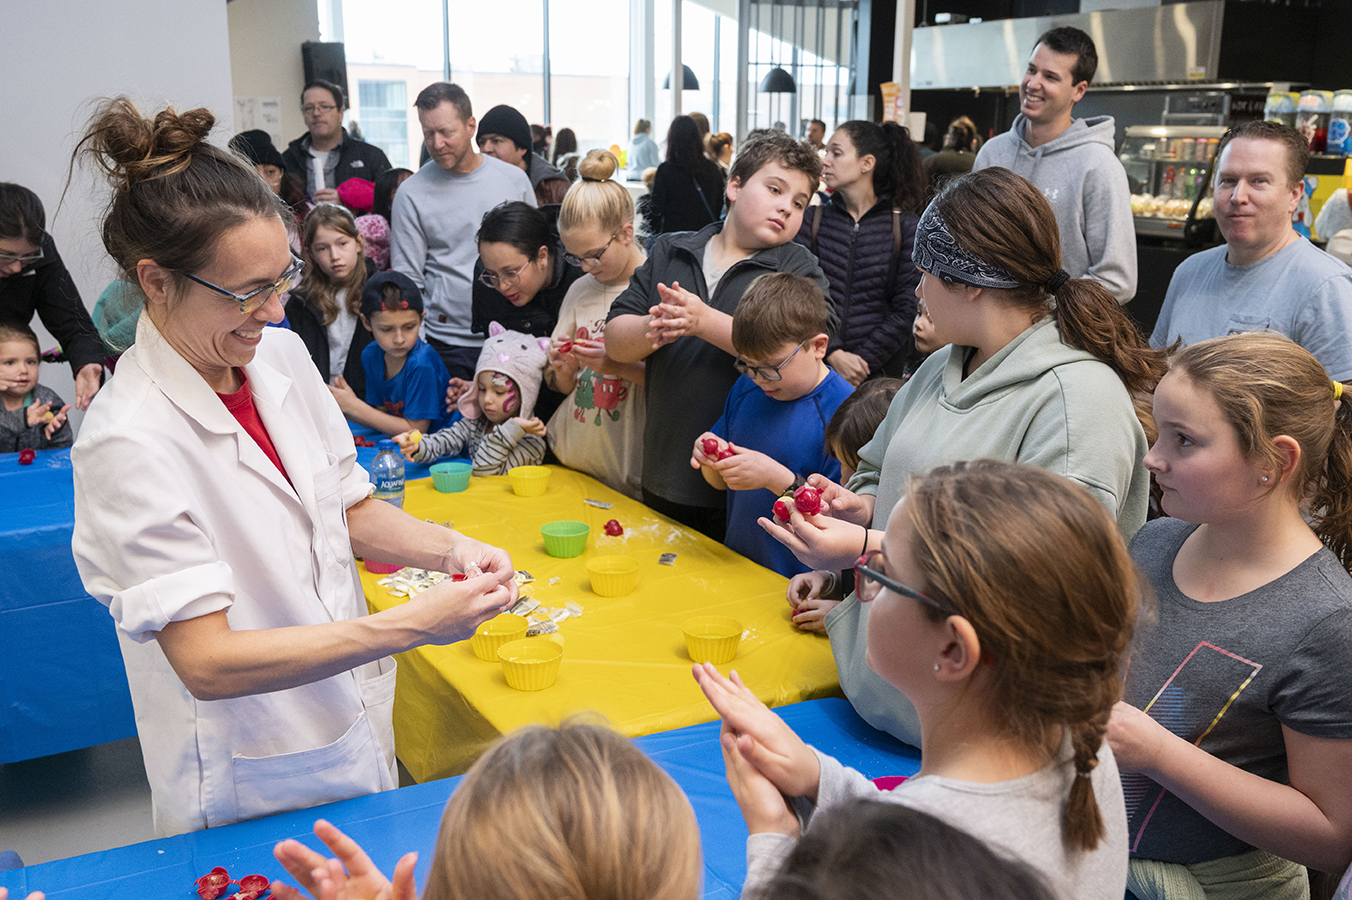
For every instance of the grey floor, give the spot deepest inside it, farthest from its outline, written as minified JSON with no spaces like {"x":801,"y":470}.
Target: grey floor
{"x":73,"y":803}
{"x":79,"y":802}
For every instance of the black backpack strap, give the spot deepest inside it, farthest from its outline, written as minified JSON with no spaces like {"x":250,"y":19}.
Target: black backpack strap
{"x":816,"y":225}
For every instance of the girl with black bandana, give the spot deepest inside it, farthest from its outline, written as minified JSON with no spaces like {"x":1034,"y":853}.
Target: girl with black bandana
{"x":1040,"y":369}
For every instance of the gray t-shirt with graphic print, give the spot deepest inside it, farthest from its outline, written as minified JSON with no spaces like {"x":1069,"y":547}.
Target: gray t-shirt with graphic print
{"x":1227,"y":676}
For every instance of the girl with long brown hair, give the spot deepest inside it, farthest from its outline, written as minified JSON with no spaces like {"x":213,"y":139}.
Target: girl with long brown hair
{"x":1001,"y":603}
{"x":1236,"y":728}
{"x":1041,"y":369}
{"x":325,"y":310}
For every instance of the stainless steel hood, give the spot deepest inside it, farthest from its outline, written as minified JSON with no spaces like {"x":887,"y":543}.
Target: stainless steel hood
{"x":1170,"y":44}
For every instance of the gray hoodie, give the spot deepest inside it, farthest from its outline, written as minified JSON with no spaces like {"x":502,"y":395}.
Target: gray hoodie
{"x":1079,"y":174}
{"x":1038,"y":401}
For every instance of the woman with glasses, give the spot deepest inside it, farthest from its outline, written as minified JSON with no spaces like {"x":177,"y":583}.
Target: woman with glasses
{"x":1001,"y":600}
{"x":219,"y":505}
{"x":1039,"y":368}
{"x":33,"y":279}
{"x":598,"y":429}
{"x":521,"y":278}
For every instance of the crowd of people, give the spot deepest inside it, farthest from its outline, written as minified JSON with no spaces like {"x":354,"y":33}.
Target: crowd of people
{"x":1101,"y":580}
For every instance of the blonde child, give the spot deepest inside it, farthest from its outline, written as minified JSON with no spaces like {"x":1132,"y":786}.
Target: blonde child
{"x":498,"y":430}
{"x":598,"y":429}
{"x":32,"y":417}
{"x":812,"y":595}
{"x":325,"y":310}
{"x":1000,"y":604}
{"x":1236,"y":729}
{"x":569,"y":813}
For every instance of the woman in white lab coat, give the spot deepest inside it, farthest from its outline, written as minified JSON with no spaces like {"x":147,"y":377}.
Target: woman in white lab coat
{"x":218,"y":504}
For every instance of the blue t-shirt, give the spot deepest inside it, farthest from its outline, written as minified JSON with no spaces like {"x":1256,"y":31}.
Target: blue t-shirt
{"x":791,"y":432}
{"x":418,"y":391}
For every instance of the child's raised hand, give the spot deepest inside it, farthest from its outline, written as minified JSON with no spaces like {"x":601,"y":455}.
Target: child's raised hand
{"x":763,"y":806}
{"x":533,"y":425}
{"x":748,"y":470}
{"x":57,"y":421}
{"x":842,"y":503}
{"x":455,"y":389}
{"x":343,"y":393}
{"x":360,"y":880}
{"x":37,"y":413}
{"x":407,"y":445}
{"x":761,"y":737}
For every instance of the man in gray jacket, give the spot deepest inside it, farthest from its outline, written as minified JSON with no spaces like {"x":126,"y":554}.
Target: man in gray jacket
{"x":1072,"y":161}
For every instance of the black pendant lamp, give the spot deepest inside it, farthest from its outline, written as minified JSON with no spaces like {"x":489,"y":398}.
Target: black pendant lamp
{"x":778,"y":81}
{"x":691,"y":83}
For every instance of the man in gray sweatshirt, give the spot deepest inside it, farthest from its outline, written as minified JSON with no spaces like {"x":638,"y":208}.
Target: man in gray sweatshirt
{"x":1072,"y":161}
{"x":436,"y":216}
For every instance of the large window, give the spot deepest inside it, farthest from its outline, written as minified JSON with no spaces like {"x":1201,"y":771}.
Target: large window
{"x":383,"y":108}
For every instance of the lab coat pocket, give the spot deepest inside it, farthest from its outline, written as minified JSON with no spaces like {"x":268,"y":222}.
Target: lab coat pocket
{"x":349,"y":767}
{"x":377,"y":695}
{"x":332,"y":516}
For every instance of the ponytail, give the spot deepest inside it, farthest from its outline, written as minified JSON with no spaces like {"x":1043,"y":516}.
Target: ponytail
{"x":1332,"y":495}
{"x":1091,"y":319}
{"x":1082,"y":821}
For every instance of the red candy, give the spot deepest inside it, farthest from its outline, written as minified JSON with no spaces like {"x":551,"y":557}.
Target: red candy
{"x":614,"y":528}
{"x":808,"y":500}
{"x":725,"y":453}
{"x":27,"y":456}
{"x":781,"y":510}
{"x":459,"y":576}
{"x":710,"y":447}
{"x":218,"y":881}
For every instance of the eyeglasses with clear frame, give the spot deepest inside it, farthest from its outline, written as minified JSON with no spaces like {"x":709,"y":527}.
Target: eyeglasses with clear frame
{"x":316,"y":108}
{"x":868,"y":581}
{"x":26,"y":259}
{"x":593,"y":258}
{"x":256,"y":298}
{"x":766,"y":373}
{"x":511,"y":277}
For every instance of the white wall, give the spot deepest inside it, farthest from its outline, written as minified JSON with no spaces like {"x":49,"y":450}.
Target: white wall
{"x":265,"y":61}
{"x":61,"y":55}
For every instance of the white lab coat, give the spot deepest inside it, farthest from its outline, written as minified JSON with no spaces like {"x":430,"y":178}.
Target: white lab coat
{"x":179,"y":513}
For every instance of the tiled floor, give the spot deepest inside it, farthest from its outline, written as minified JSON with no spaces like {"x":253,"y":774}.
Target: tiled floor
{"x":77,"y":802}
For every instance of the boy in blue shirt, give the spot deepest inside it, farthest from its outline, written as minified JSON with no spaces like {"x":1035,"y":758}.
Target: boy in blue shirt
{"x":405,"y":378}
{"x":774,"y":420}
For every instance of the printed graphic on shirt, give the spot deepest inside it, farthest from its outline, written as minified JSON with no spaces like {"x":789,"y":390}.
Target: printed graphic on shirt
{"x":1183,"y":707}
{"x":393,"y":407}
{"x":602,"y":395}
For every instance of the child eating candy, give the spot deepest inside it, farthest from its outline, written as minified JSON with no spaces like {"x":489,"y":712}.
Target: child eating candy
{"x":33,"y":417}
{"x":498,"y":431}
{"x":404,"y":376}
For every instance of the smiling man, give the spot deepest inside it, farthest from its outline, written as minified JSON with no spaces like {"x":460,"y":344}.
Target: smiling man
{"x":1072,"y":161}
{"x":437,"y":214}
{"x":1266,"y":277}
{"x":326,"y":155}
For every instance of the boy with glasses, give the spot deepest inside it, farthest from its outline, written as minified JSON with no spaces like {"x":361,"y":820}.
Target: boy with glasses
{"x":774,"y":420}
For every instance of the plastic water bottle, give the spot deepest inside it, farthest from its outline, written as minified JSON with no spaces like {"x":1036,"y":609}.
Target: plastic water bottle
{"x":1340,"y":125}
{"x":387,"y":473}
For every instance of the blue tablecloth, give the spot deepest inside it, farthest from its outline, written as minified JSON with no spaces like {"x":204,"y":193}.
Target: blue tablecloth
{"x":393,"y":823}
{"x":62,"y":685}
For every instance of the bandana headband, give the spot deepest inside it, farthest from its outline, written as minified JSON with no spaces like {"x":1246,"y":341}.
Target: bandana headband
{"x":936,"y":252}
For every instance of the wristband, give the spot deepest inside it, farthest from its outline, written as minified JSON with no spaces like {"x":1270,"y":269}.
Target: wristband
{"x":864,"y":552}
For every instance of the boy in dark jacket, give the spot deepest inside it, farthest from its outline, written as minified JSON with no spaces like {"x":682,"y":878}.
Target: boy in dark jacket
{"x":677,"y":316}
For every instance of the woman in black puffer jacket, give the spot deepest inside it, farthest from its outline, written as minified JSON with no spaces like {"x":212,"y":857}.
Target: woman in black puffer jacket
{"x":862,"y":236}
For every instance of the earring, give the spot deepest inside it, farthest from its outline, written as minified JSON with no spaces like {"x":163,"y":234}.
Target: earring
{"x":1265,"y":478}
{"x":936,"y":667}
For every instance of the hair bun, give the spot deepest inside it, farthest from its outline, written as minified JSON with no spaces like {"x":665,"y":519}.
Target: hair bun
{"x":598,"y":165}
{"x":131,"y":148}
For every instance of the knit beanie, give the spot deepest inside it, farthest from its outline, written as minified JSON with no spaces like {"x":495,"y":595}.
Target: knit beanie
{"x":256,"y":146}
{"x":520,"y":357}
{"x":509,"y":123}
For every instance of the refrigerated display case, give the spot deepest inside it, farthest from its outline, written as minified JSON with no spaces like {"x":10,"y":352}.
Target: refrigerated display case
{"x":1169,"y":171}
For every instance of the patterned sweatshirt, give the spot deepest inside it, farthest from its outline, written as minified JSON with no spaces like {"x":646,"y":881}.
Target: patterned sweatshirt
{"x":493,"y":449}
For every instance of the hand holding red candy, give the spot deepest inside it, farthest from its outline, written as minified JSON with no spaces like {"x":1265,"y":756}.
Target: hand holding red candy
{"x":808,"y":500}
{"x":710,"y":446}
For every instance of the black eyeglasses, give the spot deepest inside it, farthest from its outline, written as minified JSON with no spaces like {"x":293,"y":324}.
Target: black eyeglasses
{"x":256,"y":298}
{"x":593,"y":258}
{"x":314,"y":108}
{"x":868,"y":581}
{"x":766,"y":373}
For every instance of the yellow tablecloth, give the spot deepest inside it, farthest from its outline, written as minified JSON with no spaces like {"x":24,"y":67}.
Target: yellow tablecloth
{"x":625,"y":658}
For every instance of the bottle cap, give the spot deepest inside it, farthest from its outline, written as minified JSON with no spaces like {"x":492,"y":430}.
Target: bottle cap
{"x":387,"y":444}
